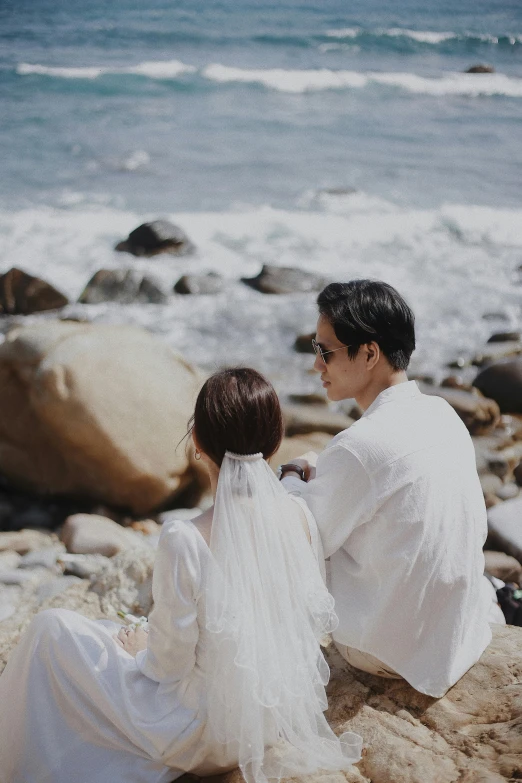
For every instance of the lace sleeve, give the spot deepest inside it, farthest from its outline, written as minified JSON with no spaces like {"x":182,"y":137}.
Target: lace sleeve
{"x":173,"y":627}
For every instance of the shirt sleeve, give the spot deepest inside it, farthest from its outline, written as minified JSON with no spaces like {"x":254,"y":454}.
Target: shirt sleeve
{"x":173,"y":627}
{"x":340,"y":497}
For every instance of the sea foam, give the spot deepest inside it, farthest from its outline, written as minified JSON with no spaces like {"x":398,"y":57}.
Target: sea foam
{"x":169,"y":69}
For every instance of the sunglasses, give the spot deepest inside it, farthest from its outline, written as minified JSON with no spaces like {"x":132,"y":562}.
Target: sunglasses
{"x":319,"y":350}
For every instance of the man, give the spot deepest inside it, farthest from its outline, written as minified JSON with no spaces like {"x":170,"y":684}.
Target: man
{"x":397,"y":501}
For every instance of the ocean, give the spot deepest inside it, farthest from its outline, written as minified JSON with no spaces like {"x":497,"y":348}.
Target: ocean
{"x":338,"y":137}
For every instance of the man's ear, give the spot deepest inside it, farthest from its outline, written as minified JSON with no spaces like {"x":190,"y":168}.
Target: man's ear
{"x":373,"y":353}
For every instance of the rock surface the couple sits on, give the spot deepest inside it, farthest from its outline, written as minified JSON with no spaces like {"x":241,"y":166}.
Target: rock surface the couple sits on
{"x":471,"y":735}
{"x":158,"y":236}
{"x":95,"y":411}
{"x":285,"y":280}
{"x":125,"y":286}
{"x":23,"y":294}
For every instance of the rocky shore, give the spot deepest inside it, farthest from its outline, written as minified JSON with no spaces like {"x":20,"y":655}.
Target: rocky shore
{"x":93,"y":461}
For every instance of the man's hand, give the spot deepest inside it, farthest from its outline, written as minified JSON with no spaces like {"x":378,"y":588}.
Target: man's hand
{"x":132,"y":641}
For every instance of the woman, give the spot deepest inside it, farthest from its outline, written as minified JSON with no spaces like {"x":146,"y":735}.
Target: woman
{"x":230,"y":670}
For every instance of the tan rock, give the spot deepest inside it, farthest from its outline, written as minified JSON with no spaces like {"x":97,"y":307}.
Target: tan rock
{"x":503,"y":566}
{"x":96,"y":411}
{"x":23,"y":541}
{"x":479,"y":414}
{"x":90,"y":534}
{"x":303,"y":419}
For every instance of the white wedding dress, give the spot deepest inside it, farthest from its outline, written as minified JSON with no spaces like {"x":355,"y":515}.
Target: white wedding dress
{"x":74,"y":706}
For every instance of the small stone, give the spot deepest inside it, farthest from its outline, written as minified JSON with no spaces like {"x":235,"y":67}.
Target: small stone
{"x":505,"y":527}
{"x":508,"y":491}
{"x":41,"y":557}
{"x":23,"y":541}
{"x":91,"y":534}
{"x":14,"y":576}
{"x":490,"y":483}
{"x":9,"y":559}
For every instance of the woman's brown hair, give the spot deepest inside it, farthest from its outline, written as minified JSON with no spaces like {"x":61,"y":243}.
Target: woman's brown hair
{"x":237,"y":410}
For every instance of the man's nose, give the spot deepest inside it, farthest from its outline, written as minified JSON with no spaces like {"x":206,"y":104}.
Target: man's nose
{"x":319,"y":363}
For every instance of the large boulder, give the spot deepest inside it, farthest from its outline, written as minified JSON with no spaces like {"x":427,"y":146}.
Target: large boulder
{"x":158,"y":236}
{"x":23,"y":294}
{"x":95,"y":411}
{"x":121,"y":285}
{"x":285,"y":280}
{"x":502,"y":382}
{"x":471,"y":735}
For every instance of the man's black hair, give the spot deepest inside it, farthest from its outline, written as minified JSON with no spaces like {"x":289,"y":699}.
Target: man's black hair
{"x":365,"y":311}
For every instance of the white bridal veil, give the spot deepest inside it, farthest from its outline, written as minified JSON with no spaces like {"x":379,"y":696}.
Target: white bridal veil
{"x":267,"y":610}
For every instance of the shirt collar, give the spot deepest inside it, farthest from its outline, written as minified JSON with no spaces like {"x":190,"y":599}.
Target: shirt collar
{"x":401,"y":391}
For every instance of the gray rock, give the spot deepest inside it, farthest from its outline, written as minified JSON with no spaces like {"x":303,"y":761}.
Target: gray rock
{"x":505,"y":337}
{"x":505,"y":527}
{"x":22,"y":294}
{"x":125,"y":286}
{"x":9,"y":559}
{"x":502,"y":382}
{"x":285,"y":280}
{"x":480,"y":68}
{"x":199,"y":284}
{"x":159,"y":236}
{"x":508,"y":491}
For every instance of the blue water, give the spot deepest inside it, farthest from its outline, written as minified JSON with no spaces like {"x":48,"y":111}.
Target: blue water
{"x":337,"y":137}
{"x":173,"y":141}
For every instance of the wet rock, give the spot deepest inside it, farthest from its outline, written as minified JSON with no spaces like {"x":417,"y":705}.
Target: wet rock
{"x":95,"y":411}
{"x":303,"y":419}
{"x":505,"y":337}
{"x":125,"y":286}
{"x":285,"y":280}
{"x":90,"y":534}
{"x":503,"y":566}
{"x":15,"y":576}
{"x":480,"y":415}
{"x":303,"y":343}
{"x":22,"y":294}
{"x":199,"y":284}
{"x":159,"y":236}
{"x":23,"y":541}
{"x":480,"y":68}
{"x":505,"y":527}
{"x":502,"y":382}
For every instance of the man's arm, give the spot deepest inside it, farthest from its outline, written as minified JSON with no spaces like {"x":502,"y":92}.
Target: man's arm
{"x":341,"y":496}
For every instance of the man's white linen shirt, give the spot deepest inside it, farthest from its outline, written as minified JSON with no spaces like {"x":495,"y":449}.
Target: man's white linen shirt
{"x":402,"y":518}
